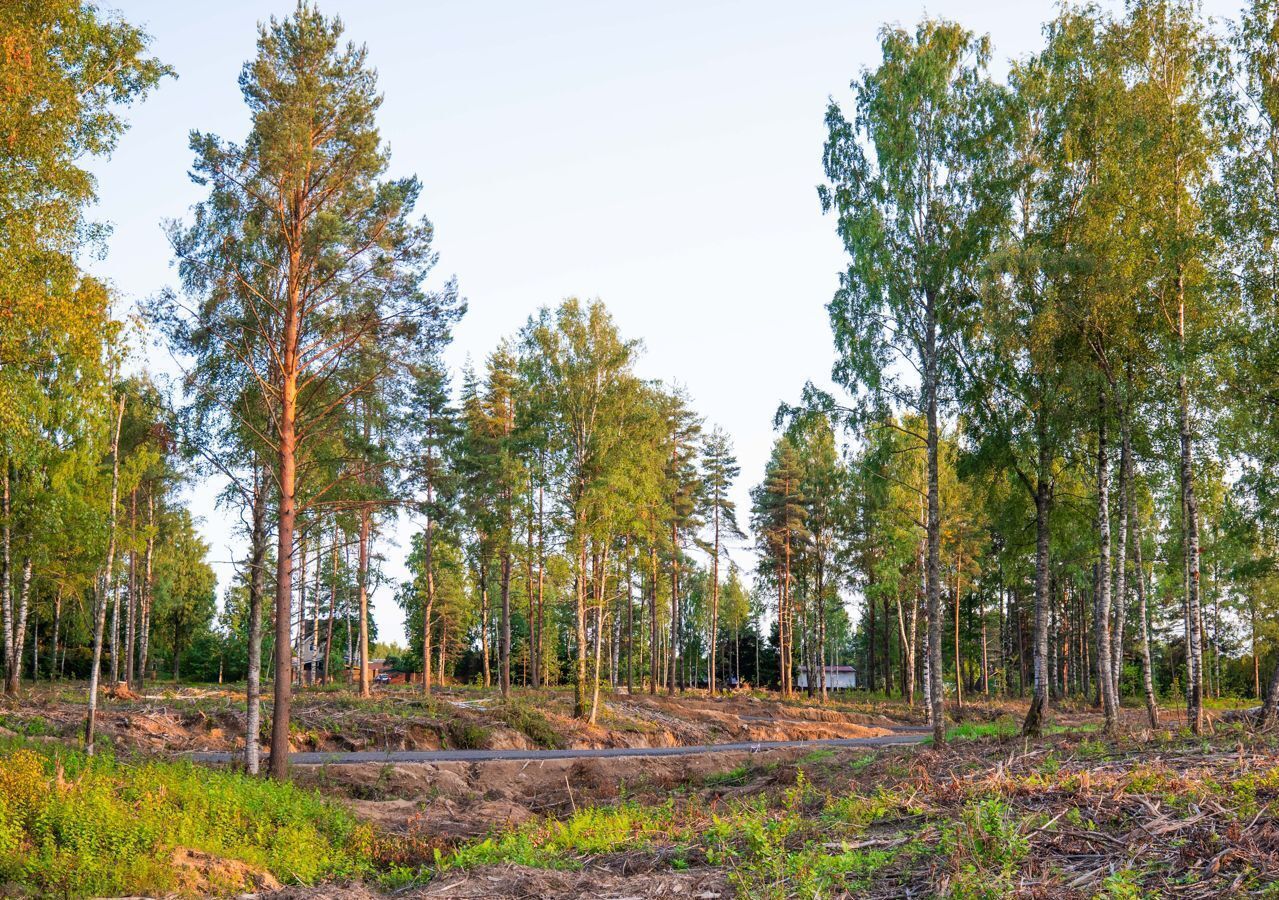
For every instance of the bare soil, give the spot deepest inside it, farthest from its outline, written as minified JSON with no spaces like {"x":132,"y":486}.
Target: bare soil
{"x":191,"y":718}
{"x":452,"y":801}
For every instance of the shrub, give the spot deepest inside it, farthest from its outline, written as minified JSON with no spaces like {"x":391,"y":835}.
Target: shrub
{"x":77,"y":826}
{"x":986,"y":849}
{"x":532,"y":723}
{"x":467,"y":735}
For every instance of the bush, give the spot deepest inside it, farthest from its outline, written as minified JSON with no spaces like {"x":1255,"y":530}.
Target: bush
{"x":535,"y":726}
{"x":75,"y":826}
{"x":467,"y":735}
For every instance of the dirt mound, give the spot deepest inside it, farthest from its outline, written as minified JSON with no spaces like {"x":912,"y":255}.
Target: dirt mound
{"x":200,"y":874}
{"x":456,"y":800}
{"x":509,"y":882}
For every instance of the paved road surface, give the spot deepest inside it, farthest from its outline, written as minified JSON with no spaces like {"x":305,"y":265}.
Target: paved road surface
{"x":902,"y":736}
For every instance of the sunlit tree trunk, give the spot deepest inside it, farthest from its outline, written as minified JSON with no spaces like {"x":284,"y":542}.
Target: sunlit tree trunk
{"x":1033,"y":726}
{"x":257,"y":589}
{"x":100,"y":612}
{"x":933,"y":582}
{"x":366,"y":517}
{"x":1101,"y":600}
{"x":148,"y":591}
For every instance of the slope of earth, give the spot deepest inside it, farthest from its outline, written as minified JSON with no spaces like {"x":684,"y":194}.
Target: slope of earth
{"x":1157,"y":814}
{"x":208,"y":718}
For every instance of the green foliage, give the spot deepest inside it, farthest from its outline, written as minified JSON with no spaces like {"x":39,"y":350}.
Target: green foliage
{"x":532,"y":723}
{"x":985,"y":850}
{"x":467,"y":735}
{"x":76,"y":826}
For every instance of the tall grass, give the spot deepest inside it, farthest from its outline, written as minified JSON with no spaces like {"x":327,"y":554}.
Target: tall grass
{"x":73,"y":826}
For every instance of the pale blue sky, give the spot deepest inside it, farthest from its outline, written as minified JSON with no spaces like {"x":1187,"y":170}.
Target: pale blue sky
{"x":661,"y":156}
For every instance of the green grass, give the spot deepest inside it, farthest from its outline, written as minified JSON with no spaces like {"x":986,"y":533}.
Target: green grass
{"x":729,"y":777}
{"x":74,"y":826}
{"x":768,"y":850}
{"x":531,"y":723}
{"x":817,"y":755}
{"x":971,"y":731}
{"x":467,"y":735}
{"x":1006,"y":727}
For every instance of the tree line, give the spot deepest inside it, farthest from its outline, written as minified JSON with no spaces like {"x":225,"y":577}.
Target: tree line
{"x":1056,"y":329}
{"x":1051,"y":471}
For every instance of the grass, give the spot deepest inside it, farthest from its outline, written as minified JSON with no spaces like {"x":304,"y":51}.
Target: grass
{"x":1006,"y":727}
{"x":728,"y":778}
{"x":531,"y":723}
{"x":467,"y":735}
{"x":976,"y":829}
{"x":74,"y":826}
{"x":769,"y":849}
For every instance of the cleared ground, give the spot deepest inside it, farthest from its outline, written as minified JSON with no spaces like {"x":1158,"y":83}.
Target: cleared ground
{"x":212,"y":719}
{"x":1154,"y":813}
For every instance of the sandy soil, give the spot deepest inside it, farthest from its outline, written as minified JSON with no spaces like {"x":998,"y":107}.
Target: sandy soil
{"x":521,"y":883}
{"x":213,"y":719}
{"x":452,"y":801}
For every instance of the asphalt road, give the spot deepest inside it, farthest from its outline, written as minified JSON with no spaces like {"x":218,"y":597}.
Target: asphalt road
{"x":903,"y":736}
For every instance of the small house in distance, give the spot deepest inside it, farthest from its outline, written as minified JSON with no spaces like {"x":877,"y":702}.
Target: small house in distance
{"x":838,"y":678}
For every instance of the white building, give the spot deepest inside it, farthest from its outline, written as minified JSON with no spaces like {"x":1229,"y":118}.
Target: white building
{"x":837,"y":678}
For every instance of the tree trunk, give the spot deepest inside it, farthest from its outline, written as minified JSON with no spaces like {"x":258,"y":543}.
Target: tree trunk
{"x":1121,"y":557}
{"x":57,"y":626}
{"x":1101,"y":606}
{"x":429,"y":562}
{"x":580,"y":709}
{"x":541,"y":584}
{"x":257,"y":588}
{"x":959,"y":675}
{"x":1139,"y":581}
{"x":652,"y":611}
{"x":673,"y":673}
{"x":908,"y":650}
{"x":100,"y":613}
{"x":301,"y":606}
{"x":504,"y":627}
{"x":6,"y":569}
{"x":1194,"y":645}
{"x":366,"y":523}
{"x":283,"y":693}
{"x":148,"y":591}
{"x":714,"y":636}
{"x":531,"y":666}
{"x":485,"y":658}
{"x":630,"y":627}
{"x":13,"y":684}
{"x":598,"y":588}
{"x":1033,"y":726}
{"x":333,"y":602}
{"x":115,"y":638}
{"x":131,"y":612}
{"x":933,"y":572}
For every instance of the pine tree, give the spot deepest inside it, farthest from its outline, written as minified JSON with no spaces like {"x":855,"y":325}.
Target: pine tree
{"x":719,"y":471}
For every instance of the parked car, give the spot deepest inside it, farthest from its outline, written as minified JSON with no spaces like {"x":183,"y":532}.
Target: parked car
{"x":382,"y":678}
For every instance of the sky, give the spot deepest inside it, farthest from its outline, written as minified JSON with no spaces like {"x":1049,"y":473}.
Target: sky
{"x":661,"y":156}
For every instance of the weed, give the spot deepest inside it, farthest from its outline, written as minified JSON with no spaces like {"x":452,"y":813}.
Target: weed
{"x":76,"y":826}
{"x":862,"y":762}
{"x":1124,"y":884}
{"x":817,"y":756}
{"x":467,"y":735}
{"x":1002,"y":728}
{"x":730,"y":777}
{"x":985,"y":849}
{"x":530,"y":722}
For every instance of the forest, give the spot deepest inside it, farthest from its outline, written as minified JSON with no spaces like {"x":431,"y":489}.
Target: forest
{"x":1042,"y":478}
